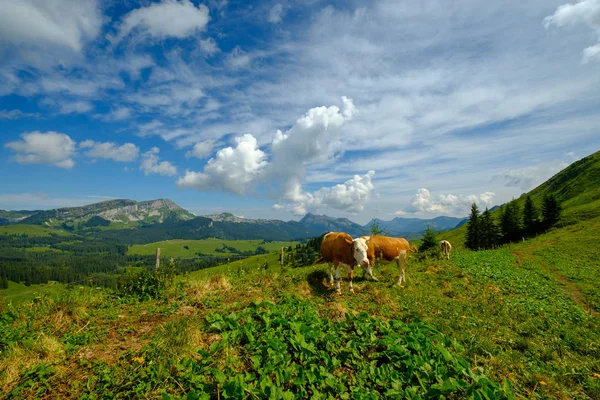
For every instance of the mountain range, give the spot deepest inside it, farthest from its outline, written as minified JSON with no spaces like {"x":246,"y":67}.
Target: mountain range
{"x":129,"y":221}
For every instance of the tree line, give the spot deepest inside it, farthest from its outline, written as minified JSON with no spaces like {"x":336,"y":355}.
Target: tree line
{"x":484,"y":232}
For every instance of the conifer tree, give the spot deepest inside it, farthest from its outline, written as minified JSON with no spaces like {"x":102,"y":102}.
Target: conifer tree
{"x":489,"y":230}
{"x":551,"y":210}
{"x":473,"y":229}
{"x":511,"y":222}
{"x":530,"y":216}
{"x":429,"y":240}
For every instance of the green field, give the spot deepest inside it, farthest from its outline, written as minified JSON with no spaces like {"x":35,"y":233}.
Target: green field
{"x":41,"y":249}
{"x":490,"y":323}
{"x":31,"y":230}
{"x":175,"y":248}
{"x":18,"y":293}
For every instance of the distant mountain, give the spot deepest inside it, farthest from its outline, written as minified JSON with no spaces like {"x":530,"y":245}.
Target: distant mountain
{"x":12,"y":217}
{"x":130,"y":222}
{"x":121,"y":212}
{"x":323,"y":223}
{"x":401,"y":226}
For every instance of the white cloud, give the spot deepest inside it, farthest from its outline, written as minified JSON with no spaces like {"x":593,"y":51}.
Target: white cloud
{"x":151,"y":164}
{"x":208,"y":46}
{"x":527,"y":178}
{"x":446,"y":204}
{"x":75,"y":107}
{"x":169,"y":18}
{"x":52,"y":148}
{"x":238,"y":58}
{"x":116,"y":114}
{"x":350,"y":196}
{"x":16,"y":114}
{"x":31,"y":23}
{"x":313,"y":138}
{"x":108,"y":150}
{"x":276,"y":14}
{"x":201,"y":150}
{"x":584,"y":12}
{"x":232,"y":170}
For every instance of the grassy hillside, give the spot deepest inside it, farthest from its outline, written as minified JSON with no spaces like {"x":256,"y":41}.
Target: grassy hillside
{"x":31,"y":230}
{"x":520,"y":319}
{"x":577,"y":188}
{"x":177,"y":248}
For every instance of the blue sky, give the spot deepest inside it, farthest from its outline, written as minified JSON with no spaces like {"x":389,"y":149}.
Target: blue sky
{"x":277,"y":108}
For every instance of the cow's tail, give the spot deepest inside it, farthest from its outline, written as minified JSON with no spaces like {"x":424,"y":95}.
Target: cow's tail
{"x":413,"y":249}
{"x":318,"y":260}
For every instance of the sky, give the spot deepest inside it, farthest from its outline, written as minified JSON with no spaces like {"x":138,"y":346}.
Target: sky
{"x":357,"y":109}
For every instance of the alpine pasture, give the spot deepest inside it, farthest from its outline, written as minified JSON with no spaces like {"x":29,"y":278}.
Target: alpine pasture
{"x":517,"y":321}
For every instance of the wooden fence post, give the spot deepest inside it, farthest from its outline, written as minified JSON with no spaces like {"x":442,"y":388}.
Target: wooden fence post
{"x":157,"y":258}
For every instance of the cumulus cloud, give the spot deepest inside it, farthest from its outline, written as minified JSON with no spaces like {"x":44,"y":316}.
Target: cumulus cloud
{"x":232,"y":170}
{"x":68,"y":24}
{"x":52,"y":148}
{"x":201,"y":150}
{"x":314,"y":138}
{"x":448,"y":204}
{"x":350,"y":196}
{"x":108,"y":150}
{"x":151,"y":164}
{"x":276,"y":14}
{"x":169,"y":18}
{"x":584,"y":12}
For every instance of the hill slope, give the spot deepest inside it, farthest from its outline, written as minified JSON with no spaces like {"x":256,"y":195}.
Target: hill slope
{"x":577,"y":188}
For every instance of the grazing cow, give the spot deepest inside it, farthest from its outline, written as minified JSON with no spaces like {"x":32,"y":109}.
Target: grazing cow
{"x":336,"y":250}
{"x":367,"y":249}
{"x":446,"y":248}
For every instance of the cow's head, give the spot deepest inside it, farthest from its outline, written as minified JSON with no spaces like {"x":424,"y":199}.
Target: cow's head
{"x":359,"y":250}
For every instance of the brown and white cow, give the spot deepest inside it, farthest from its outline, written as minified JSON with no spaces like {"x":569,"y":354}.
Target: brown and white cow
{"x":367,"y":249}
{"x":446,"y":248}
{"x":337,"y":250}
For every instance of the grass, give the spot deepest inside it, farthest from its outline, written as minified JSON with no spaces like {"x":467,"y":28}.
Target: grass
{"x":481,"y":324}
{"x":41,"y":249}
{"x":31,"y":230}
{"x":19,"y":293}
{"x":175,"y":248}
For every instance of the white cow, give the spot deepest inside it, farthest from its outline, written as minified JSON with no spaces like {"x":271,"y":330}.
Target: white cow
{"x":446,"y":247}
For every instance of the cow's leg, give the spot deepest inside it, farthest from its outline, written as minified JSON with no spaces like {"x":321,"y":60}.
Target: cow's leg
{"x":401,"y":261}
{"x":370,"y":273}
{"x":331,"y":275}
{"x":349,"y":273}
{"x":337,"y":280}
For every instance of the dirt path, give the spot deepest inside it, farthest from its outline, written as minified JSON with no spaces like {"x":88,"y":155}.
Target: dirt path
{"x":571,"y":290}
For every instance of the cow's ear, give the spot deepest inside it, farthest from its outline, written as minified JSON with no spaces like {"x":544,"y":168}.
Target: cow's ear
{"x":348,"y":240}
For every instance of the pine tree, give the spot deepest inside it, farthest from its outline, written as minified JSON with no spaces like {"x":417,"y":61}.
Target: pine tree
{"x":4,"y":283}
{"x":429,"y":240}
{"x":530,"y":216}
{"x":551,"y":210}
{"x":489,"y":230}
{"x":511,"y":222}
{"x":376,"y":229}
{"x":473,"y":229}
